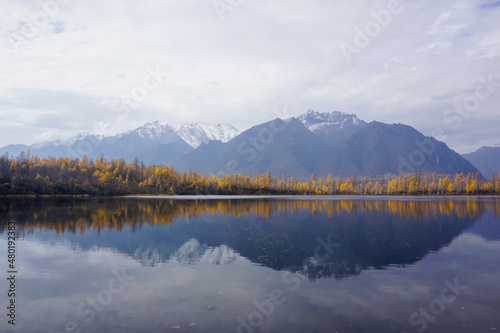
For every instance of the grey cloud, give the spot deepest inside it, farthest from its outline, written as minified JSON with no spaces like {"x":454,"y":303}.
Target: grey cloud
{"x":263,"y":56}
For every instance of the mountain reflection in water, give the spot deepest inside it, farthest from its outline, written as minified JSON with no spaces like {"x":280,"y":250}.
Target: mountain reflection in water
{"x":185,"y":264}
{"x":279,"y":233}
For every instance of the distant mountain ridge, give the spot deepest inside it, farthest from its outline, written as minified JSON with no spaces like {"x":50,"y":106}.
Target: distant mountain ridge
{"x":318,"y":143}
{"x":195,"y":134}
{"x":381,"y":148}
{"x":485,"y":159}
{"x":153,"y":142}
{"x":287,"y":147}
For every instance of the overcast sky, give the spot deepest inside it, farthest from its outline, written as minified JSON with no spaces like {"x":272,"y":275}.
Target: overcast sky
{"x":108,"y":66}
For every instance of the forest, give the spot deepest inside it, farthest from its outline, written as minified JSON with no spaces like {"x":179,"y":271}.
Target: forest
{"x":27,"y":174}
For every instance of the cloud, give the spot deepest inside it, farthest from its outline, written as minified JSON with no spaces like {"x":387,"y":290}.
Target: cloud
{"x":490,"y":5}
{"x":263,"y":56}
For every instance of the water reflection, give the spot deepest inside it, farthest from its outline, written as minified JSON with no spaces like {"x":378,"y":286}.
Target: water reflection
{"x":79,"y":214}
{"x":200,"y":265}
{"x":277,"y":233}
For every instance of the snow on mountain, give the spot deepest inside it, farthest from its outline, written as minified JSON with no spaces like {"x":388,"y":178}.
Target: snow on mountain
{"x":80,"y":136}
{"x":224,"y":132}
{"x":317,"y":121}
{"x":151,"y":131}
{"x":335,"y":126}
{"x":44,"y":144}
{"x":154,"y":130}
{"x":68,"y":142}
{"x":195,"y":134}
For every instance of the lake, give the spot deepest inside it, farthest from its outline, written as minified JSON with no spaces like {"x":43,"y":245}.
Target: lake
{"x":252,"y":264}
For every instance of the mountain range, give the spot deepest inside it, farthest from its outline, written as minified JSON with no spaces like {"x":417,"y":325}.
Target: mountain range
{"x":322,"y":143}
{"x":486,"y":160}
{"x":153,"y":142}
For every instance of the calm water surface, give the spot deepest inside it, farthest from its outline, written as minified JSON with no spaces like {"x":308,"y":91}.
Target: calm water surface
{"x":253,"y":264}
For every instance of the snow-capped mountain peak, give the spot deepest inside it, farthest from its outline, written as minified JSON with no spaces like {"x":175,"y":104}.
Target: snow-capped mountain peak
{"x":221,"y":132}
{"x":154,"y":130}
{"x":157,"y":132}
{"x":196,"y":134}
{"x":315,"y":121}
{"x":81,"y":136}
{"x":193,"y":134}
{"x":68,"y":142}
{"x":334,"y":126}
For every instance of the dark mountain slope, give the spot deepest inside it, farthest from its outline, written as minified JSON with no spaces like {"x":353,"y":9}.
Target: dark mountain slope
{"x":379,"y":149}
{"x":279,"y":147}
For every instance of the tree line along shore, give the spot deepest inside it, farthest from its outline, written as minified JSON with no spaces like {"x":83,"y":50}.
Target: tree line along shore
{"x":27,"y":174}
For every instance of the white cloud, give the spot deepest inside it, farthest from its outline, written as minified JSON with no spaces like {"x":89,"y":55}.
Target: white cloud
{"x":262,"y":56}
